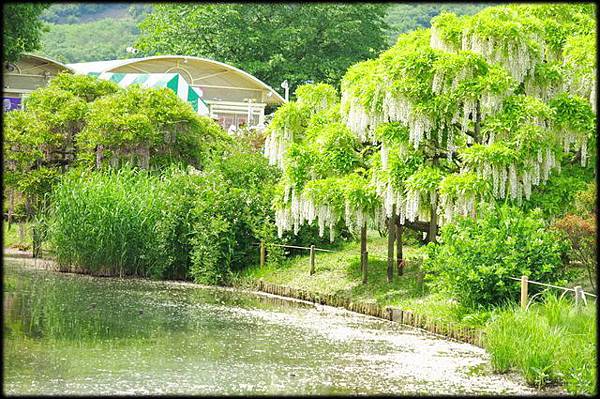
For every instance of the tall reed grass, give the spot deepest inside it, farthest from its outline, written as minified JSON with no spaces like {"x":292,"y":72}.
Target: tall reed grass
{"x":113,"y":223}
{"x":553,"y":342}
{"x":172,"y":223}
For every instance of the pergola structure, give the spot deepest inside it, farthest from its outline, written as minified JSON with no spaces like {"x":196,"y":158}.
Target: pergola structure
{"x":233,"y":97}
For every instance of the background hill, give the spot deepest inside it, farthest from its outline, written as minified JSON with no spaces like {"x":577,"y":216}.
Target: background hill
{"x":80,"y":32}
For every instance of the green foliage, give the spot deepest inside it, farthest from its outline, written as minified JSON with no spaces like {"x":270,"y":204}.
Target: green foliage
{"x":80,"y":120}
{"x":72,"y":13}
{"x":105,"y":39}
{"x":153,"y":125}
{"x":327,"y":38}
{"x":485,"y":97}
{"x":232,"y":214}
{"x":573,"y":113}
{"x":474,"y":258}
{"x":557,"y":196}
{"x":179,"y":224}
{"x":22,"y":29}
{"x":551,"y":342}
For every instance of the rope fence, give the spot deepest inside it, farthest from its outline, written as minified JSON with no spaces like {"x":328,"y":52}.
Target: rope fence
{"x":312,"y":249}
{"x":526,"y":301}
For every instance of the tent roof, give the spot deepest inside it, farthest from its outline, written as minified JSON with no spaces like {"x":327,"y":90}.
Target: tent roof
{"x":173,"y":81}
{"x":114,"y":65}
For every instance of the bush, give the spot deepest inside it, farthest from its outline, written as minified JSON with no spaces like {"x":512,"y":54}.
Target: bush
{"x":557,"y":195}
{"x":580,"y":232}
{"x":232,"y":213}
{"x":475,"y":257}
{"x":176,"y":225}
{"x":552,"y":342}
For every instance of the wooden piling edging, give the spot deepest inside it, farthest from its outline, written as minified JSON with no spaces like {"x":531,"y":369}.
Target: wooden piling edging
{"x":397,"y":315}
{"x":262,"y":254}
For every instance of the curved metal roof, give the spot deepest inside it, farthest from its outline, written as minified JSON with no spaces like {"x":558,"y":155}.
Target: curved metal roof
{"x":46,"y":59}
{"x":111,"y":65}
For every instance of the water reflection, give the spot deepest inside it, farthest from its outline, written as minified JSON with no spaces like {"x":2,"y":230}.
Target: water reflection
{"x":78,"y":334}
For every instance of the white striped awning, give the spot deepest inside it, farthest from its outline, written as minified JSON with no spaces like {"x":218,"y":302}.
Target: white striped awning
{"x":173,"y":81}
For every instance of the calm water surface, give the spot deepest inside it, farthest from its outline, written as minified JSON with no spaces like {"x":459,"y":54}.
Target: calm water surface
{"x":75,"y":334}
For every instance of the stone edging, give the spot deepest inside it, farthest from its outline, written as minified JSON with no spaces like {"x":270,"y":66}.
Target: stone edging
{"x":463,"y":334}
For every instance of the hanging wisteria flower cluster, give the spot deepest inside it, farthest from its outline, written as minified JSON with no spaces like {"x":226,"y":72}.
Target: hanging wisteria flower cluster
{"x":303,"y":210}
{"x":276,"y":145}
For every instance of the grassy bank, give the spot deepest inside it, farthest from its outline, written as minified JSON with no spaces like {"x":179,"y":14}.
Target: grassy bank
{"x":553,"y":343}
{"x":11,"y":236}
{"x":339,"y":273}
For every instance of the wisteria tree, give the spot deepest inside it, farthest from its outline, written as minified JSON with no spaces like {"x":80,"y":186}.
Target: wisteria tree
{"x":476,"y":109}
{"x":325,"y":168}
{"x":81,"y":120}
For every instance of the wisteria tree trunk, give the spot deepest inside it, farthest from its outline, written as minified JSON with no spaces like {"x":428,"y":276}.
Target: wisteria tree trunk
{"x":363,"y":252}
{"x":399,"y":259}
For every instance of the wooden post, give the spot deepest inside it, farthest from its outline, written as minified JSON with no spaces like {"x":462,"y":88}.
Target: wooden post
{"x":391,"y":239}
{"x":399,"y":258}
{"x":21,"y":232}
{"x":363,"y":251}
{"x":312,"y":260}
{"x":579,"y":295}
{"x":262,"y":253}
{"x":524,"y":287}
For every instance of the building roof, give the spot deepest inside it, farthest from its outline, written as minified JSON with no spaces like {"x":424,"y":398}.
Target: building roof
{"x":36,"y":61}
{"x":244,"y":80}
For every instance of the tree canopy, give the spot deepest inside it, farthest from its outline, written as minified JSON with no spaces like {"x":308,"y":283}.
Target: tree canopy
{"x":82,"y":120}
{"x":274,"y":42}
{"x":22,"y":29}
{"x":476,"y":109}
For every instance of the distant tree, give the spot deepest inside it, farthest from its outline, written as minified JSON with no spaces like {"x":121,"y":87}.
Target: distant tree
{"x":275,"y":42}
{"x":105,"y":39}
{"x":403,"y":18}
{"x":22,"y":29}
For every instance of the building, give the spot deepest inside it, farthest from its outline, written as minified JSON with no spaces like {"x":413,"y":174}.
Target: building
{"x":233,"y":97}
{"x":22,"y":77}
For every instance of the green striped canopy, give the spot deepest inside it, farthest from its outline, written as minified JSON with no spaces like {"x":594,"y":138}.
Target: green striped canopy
{"x":173,"y":81}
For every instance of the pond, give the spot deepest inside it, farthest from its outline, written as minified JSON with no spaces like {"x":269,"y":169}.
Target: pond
{"x":76,"y":334}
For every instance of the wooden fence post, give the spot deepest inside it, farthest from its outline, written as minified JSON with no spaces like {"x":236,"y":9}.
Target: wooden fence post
{"x":524,"y":287}
{"x":262,"y":253}
{"x":579,"y":295}
{"x":312,"y":260}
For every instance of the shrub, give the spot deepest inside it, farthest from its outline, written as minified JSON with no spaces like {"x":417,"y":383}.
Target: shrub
{"x":175,"y":225}
{"x":580,"y":232}
{"x":475,"y":257}
{"x":232,"y":213}
{"x":557,"y":196}
{"x":552,"y":342}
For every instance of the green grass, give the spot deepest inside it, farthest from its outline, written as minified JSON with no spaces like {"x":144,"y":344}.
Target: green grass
{"x":11,"y":236}
{"x":339,"y":273}
{"x":553,"y":342}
